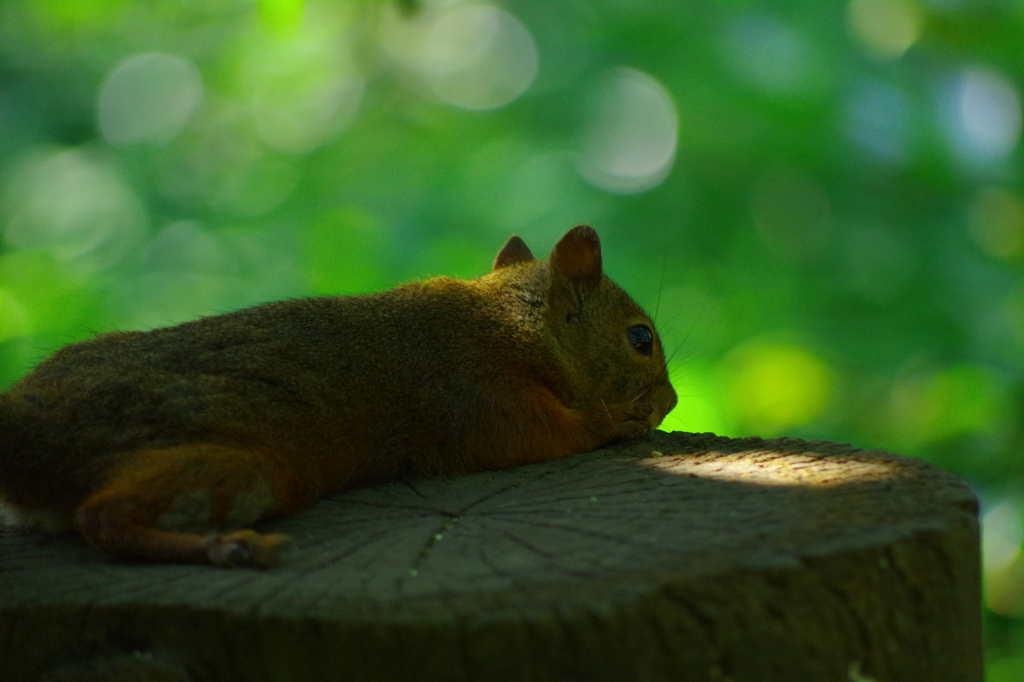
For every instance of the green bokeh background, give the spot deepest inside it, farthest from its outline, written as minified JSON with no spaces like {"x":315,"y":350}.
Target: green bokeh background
{"x":821,"y":202}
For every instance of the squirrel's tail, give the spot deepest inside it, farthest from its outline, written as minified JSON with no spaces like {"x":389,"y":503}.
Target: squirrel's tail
{"x":26,"y":498}
{"x":11,"y":441}
{"x":11,"y":437}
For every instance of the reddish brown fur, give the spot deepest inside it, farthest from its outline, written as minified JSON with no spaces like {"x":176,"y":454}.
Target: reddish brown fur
{"x":210,"y":425}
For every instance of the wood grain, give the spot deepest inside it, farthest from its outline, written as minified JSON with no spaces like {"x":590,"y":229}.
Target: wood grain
{"x":676,"y":557}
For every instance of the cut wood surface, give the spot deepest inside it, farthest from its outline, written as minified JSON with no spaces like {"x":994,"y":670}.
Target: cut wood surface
{"x":676,"y":557}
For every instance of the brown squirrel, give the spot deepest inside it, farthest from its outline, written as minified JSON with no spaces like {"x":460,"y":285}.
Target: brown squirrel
{"x":161,"y":444}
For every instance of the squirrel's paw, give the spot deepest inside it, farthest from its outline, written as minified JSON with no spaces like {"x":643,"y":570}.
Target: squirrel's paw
{"x":628,"y":420}
{"x":245,"y":548}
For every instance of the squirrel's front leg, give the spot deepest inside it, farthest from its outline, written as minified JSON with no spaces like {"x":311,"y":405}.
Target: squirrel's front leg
{"x":542,"y":428}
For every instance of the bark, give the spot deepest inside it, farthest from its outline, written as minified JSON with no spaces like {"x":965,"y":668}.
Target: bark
{"x":675,"y":557}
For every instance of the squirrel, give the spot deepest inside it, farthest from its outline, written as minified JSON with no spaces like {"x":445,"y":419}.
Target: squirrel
{"x":166,"y":444}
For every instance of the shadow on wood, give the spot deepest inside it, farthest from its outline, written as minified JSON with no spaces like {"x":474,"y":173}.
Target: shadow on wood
{"x":676,"y":557}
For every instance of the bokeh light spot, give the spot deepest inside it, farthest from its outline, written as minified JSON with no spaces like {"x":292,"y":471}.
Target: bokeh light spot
{"x":770,"y":54}
{"x":952,"y":402}
{"x":961,"y":399}
{"x":281,"y":16}
{"x":982,"y":113}
{"x":186,"y":247}
{"x":472,"y":56}
{"x":630,"y":142}
{"x":996,"y":221}
{"x":188,"y":271}
{"x":1002,"y":535}
{"x":48,"y":300}
{"x":74,"y":204}
{"x":303,"y":90}
{"x":878,"y":119}
{"x":700,"y":407}
{"x":256,"y":188}
{"x":148,"y":98}
{"x":778,"y":386}
{"x":885,"y":28}
{"x":14,"y":318}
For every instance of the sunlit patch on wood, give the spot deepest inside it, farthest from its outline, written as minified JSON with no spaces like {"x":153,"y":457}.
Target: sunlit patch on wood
{"x":774,"y":468}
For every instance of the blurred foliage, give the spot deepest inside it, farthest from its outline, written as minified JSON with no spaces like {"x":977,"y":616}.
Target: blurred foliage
{"x":821,"y":202}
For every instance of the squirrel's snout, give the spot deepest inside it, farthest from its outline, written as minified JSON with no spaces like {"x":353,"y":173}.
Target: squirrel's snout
{"x":665,"y":398}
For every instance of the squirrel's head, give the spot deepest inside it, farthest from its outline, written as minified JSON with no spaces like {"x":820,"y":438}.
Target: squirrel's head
{"x":610,"y":346}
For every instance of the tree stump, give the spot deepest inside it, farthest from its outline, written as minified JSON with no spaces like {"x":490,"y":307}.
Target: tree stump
{"x":675,"y":557}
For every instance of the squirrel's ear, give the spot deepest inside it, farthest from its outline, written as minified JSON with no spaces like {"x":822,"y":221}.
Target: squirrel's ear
{"x":515,"y":251}
{"x":577,"y":256}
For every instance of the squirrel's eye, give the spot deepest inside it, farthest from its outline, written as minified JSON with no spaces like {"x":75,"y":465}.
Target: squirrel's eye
{"x":642,"y":339}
